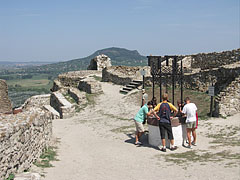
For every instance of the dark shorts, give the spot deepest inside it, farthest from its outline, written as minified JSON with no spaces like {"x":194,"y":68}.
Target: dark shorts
{"x":165,"y":127}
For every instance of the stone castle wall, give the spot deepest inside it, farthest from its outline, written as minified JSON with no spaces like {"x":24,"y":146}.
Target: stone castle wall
{"x":5,"y":103}
{"x":72,"y":79}
{"x":123,"y":75}
{"x":228,"y":100}
{"x":220,"y":77}
{"x":23,"y":137}
{"x":214,"y":60}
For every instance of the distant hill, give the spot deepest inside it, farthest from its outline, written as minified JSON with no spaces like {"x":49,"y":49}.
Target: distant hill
{"x":119,"y":56}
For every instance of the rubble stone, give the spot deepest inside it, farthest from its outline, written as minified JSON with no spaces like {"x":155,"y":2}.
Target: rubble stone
{"x":6,"y":106}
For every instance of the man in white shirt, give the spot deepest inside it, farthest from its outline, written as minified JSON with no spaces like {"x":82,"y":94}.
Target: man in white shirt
{"x":190,"y":110}
{"x":144,"y":97}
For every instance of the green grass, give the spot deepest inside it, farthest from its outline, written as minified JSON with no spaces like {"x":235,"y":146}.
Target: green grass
{"x":185,"y":158}
{"x":48,"y":155}
{"x":39,"y":81}
{"x":226,"y":137}
{"x":97,"y":78}
{"x":11,"y":177}
{"x":123,"y":129}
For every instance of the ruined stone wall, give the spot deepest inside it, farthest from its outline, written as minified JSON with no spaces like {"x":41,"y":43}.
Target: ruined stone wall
{"x":36,"y":101}
{"x":220,"y":77}
{"x":227,"y":102}
{"x":5,"y":103}
{"x":23,"y":137}
{"x":123,"y":75}
{"x":214,"y":60}
{"x":99,"y":63}
{"x":90,"y":86}
{"x":72,"y":79}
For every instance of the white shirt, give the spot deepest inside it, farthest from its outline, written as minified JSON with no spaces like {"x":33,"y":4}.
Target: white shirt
{"x":190,"y":110}
{"x":145,"y":97}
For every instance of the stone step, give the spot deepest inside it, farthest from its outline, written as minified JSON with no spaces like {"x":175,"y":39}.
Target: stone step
{"x":123,"y":91}
{"x":134,"y":83}
{"x":127,"y":88}
{"x":137,"y":81}
{"x":131,"y":86}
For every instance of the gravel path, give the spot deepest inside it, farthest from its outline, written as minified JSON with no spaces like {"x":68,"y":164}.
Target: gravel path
{"x":98,"y":144}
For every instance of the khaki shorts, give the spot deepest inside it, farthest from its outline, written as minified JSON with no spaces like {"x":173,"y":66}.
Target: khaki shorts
{"x":191,"y":125}
{"x":139,"y":126}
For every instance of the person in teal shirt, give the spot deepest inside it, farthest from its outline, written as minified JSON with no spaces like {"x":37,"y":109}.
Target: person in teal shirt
{"x":146,"y":110}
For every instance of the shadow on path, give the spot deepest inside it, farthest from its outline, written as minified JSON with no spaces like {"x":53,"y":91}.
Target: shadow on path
{"x":143,"y":139}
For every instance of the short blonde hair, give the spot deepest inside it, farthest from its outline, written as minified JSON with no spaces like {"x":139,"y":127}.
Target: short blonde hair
{"x":165,"y":96}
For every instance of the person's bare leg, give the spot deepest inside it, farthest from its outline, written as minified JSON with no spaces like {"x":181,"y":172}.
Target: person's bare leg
{"x":163,"y":142}
{"x":172,"y":142}
{"x":136,"y":136}
{"x":189,"y":136}
{"x":194,"y":135}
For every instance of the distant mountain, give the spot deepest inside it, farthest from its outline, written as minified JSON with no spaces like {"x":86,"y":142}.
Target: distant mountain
{"x":119,"y":56}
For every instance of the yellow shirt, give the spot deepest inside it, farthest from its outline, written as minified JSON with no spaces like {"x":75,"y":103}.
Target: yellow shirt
{"x":172,"y":107}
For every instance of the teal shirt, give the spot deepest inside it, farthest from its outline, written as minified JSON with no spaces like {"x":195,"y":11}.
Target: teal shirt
{"x":141,"y":115}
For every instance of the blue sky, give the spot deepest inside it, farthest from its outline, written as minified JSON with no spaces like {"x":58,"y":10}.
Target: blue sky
{"x":57,"y":30}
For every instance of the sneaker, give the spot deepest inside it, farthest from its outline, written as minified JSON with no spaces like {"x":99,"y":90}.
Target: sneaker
{"x":138,"y":143}
{"x":163,"y":149}
{"x":189,"y":147}
{"x":173,"y":148}
{"x":194,"y":144}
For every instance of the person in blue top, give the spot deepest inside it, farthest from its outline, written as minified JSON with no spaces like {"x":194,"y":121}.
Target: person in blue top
{"x":139,"y":118}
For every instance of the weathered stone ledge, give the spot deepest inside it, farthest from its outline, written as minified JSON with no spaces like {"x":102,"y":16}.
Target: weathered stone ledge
{"x":60,"y":104}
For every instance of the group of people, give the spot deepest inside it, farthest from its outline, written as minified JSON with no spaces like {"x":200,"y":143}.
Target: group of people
{"x":164,"y":112}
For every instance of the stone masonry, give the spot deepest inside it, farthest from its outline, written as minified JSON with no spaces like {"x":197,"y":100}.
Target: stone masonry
{"x":23,"y":137}
{"x":90,"y":86}
{"x":100,"y":62}
{"x":123,"y":75}
{"x":61,"y":105}
{"x":227,"y":102}
{"x":5,"y":103}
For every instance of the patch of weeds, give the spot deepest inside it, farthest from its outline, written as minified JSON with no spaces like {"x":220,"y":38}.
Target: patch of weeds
{"x":97,"y":78}
{"x":123,"y":129}
{"x":115,"y":117}
{"x":230,"y":165}
{"x":48,"y":155}
{"x":91,"y":99}
{"x":11,"y":177}
{"x":204,"y":117}
{"x":69,"y":98}
{"x":185,"y":158}
{"x":226,"y":138}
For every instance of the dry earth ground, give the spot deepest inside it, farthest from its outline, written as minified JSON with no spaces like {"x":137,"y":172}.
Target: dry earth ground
{"x":98,"y":144}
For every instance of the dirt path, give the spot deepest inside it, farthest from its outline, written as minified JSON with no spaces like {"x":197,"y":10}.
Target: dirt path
{"x":98,"y":144}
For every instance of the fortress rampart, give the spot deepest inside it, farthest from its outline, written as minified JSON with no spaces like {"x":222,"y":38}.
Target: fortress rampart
{"x":23,"y":138}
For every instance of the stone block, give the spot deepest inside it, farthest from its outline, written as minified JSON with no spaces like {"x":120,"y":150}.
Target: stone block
{"x":90,"y":86}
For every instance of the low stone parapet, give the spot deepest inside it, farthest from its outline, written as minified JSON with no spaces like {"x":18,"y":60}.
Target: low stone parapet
{"x":90,"y":86}
{"x":36,"y":101}
{"x":154,"y":138}
{"x":122,"y":75}
{"x":23,"y":137}
{"x":62,"y":105}
{"x":72,"y":79}
{"x":55,"y":114}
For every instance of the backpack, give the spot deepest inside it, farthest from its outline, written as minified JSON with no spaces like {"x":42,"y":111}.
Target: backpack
{"x":164,"y":111}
